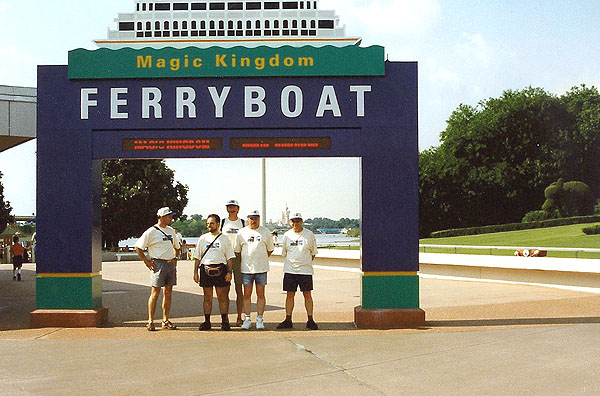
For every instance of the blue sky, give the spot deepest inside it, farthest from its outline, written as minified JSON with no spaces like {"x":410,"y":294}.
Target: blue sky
{"x":467,"y":51}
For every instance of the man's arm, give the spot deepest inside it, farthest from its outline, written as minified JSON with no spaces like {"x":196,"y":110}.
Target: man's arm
{"x":229,"y":270}
{"x":148,"y":263}
{"x":196,"y":274}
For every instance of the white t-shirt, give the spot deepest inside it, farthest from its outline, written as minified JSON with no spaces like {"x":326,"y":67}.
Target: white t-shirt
{"x":180,"y":238}
{"x":254,"y":244}
{"x":231,"y":229}
{"x":298,"y":249}
{"x":220,"y":251}
{"x":158,"y":244}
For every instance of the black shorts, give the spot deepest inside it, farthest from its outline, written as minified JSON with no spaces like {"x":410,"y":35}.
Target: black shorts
{"x":17,"y":261}
{"x":216,"y":281}
{"x":292,"y":281}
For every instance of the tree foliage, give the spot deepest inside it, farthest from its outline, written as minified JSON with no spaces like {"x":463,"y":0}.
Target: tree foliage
{"x":495,"y":159}
{"x":195,"y":226}
{"x":5,"y":209}
{"x":133,"y":190}
{"x":323,"y":222}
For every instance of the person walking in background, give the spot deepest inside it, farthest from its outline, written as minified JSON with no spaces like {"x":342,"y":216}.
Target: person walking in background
{"x":33,"y":246}
{"x":230,"y":226}
{"x":299,"y":248}
{"x":163,"y":248}
{"x":254,"y":245}
{"x":213,"y":266}
{"x":16,"y":253}
{"x":181,"y":243}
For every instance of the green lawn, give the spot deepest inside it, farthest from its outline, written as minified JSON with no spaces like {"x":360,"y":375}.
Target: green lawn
{"x":570,"y":236}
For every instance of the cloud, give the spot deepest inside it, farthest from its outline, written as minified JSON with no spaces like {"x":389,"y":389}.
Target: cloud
{"x":385,"y":21}
{"x":19,"y":67}
{"x":473,"y":47}
{"x":3,"y":6}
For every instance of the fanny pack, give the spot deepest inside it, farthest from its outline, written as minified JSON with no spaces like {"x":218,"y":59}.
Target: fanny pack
{"x":213,"y":270}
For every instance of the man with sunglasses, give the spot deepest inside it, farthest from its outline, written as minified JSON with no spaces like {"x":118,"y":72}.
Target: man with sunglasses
{"x":163,"y":248}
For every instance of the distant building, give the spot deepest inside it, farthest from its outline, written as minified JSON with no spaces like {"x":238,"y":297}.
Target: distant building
{"x":285,"y":217}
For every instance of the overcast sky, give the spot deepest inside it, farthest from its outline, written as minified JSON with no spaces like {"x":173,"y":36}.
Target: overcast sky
{"x":467,"y":50}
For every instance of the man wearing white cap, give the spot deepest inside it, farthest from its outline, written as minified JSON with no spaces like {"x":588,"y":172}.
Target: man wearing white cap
{"x":163,"y":249}
{"x":299,"y":248}
{"x":230,"y":226}
{"x":254,"y":245}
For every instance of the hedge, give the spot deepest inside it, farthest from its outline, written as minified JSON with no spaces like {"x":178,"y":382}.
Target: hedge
{"x":515,"y":226}
{"x":593,"y":230}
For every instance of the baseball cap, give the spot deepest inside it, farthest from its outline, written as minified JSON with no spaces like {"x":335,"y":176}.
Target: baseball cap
{"x":164,"y":212}
{"x":296,"y":215}
{"x":232,"y":202}
{"x":254,"y":213}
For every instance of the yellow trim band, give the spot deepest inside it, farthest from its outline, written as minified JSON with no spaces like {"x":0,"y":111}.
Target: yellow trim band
{"x":390,"y":273}
{"x":74,"y":275}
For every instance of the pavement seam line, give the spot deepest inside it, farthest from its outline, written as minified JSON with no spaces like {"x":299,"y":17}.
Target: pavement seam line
{"x":47,"y":334}
{"x":335,"y":366}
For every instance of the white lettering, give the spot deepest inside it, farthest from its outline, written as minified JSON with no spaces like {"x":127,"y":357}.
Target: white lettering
{"x":254,"y":98}
{"x":219,"y":100}
{"x":86,"y":102}
{"x":285,"y":101}
{"x":329,"y":102}
{"x":185,"y":98}
{"x":151,"y":97}
{"x":360,"y":98}
{"x":115,"y":102}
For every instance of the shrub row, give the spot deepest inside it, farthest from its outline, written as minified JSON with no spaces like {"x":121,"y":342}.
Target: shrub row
{"x":593,"y":230}
{"x":515,"y":226}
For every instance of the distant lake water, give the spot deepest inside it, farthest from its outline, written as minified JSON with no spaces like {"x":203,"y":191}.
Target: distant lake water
{"x":322,"y":240}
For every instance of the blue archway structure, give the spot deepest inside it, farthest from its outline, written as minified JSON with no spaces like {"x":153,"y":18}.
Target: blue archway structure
{"x":83,"y":121}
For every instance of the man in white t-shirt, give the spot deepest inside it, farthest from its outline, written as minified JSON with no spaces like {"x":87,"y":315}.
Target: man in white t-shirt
{"x":254,"y":245}
{"x":230,"y":226}
{"x":180,"y":239}
{"x":299,"y":248}
{"x":212,"y":268}
{"x":163,"y":249}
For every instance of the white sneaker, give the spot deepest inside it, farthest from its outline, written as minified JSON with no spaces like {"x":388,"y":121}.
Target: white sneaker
{"x":260,"y":324}
{"x":246,"y":324}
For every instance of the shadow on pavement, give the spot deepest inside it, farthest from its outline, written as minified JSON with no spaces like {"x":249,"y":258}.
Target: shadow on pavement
{"x":511,"y":322}
{"x":127,"y":304}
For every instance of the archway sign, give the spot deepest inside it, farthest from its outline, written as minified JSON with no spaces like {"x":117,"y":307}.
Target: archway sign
{"x":225,"y":103}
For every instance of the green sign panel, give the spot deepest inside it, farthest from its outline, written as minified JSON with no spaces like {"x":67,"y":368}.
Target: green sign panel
{"x":226,"y":62}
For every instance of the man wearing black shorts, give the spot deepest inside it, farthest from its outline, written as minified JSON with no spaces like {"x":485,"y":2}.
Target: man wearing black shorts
{"x":213,"y":265}
{"x":299,"y":248}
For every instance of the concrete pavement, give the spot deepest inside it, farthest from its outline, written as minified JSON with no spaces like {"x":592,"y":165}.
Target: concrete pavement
{"x":481,"y":338}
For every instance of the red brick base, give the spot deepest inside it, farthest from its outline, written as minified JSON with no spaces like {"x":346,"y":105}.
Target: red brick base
{"x":68,"y":318}
{"x":389,"y":318}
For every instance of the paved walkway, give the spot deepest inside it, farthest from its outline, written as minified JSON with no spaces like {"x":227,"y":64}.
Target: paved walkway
{"x":481,"y":338}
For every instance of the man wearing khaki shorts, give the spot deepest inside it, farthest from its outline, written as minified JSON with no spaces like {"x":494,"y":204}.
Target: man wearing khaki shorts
{"x":163,"y":249}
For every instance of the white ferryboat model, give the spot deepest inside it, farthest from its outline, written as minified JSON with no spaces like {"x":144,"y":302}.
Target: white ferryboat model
{"x":226,"y":23}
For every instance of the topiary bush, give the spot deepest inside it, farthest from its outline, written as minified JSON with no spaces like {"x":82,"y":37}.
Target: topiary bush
{"x":573,"y":198}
